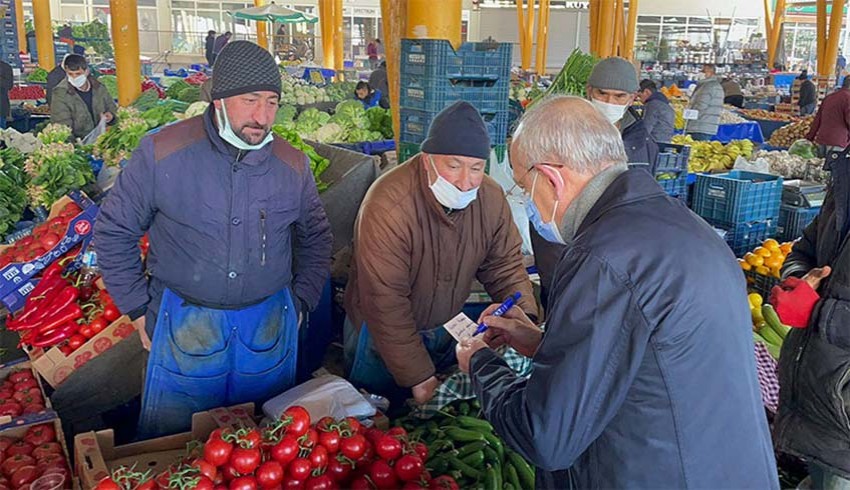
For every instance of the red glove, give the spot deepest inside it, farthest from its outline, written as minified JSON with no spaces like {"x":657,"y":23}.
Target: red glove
{"x":794,"y":301}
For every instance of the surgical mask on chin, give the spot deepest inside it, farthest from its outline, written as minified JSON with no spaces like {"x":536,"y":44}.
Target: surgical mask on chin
{"x":227,"y":134}
{"x":549,"y":231}
{"x":78,"y":82}
{"x":612,"y":112}
{"x":447,"y":194}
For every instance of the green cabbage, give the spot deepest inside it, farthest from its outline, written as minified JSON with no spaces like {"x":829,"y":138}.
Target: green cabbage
{"x":311,"y":120}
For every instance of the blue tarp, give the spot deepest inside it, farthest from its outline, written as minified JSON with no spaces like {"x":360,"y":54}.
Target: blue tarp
{"x":743,"y":131}
{"x":768,"y":127}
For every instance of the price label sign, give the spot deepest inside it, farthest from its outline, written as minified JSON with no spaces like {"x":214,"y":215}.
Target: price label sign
{"x":690,"y":114}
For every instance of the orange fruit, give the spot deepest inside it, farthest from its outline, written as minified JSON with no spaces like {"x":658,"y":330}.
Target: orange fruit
{"x":762,"y":270}
{"x":775,"y":271}
{"x":754,"y":260}
{"x":762,"y":251}
{"x":786,"y":248}
{"x":773,"y":262}
{"x":744,"y":265}
{"x":771,"y":245}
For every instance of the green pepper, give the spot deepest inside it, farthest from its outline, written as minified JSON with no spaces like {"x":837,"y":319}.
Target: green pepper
{"x":463,"y":435}
{"x":510,"y":475}
{"x":439,"y":446}
{"x":475,"y":459}
{"x":473,"y":423}
{"x":471,"y":448}
{"x":524,"y":470}
{"x":465,"y":469}
{"x":438,"y":465}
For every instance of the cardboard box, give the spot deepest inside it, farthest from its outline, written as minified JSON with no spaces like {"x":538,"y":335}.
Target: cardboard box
{"x":8,"y":368}
{"x":18,"y":430}
{"x":15,"y":278}
{"x":96,"y":455}
{"x":55,"y":366}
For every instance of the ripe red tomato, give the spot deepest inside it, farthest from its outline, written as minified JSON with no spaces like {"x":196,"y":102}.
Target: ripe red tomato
{"x":382,"y":475}
{"x":444,"y":482}
{"x":13,"y":463}
{"x":270,"y":474}
{"x":361,"y":483}
{"x":70,"y":209}
{"x":27,"y":384}
{"x":46,"y":449}
{"x":20,"y":447}
{"x":49,"y":240}
{"x":39,"y":434}
{"x":388,"y":448}
{"x":330,"y":440}
{"x":253,"y":438}
{"x":207,"y":469}
{"x":409,"y":467}
{"x":98,"y":324}
{"x":374,"y":435}
{"x":23,"y":475}
{"x":286,"y":450}
{"x":76,"y":341}
{"x":309,"y":439}
{"x":11,"y":408}
{"x":325,"y":424}
{"x":86,"y":331}
{"x":340,"y":471}
{"x":397,"y":432}
{"x":319,"y":457}
{"x":111,"y":313}
{"x":204,"y":483}
{"x":243,"y":483}
{"x":228,"y":473}
{"x":321,"y":482}
{"x":421,"y":450}
{"x":5,"y":442}
{"x":245,"y":461}
{"x":353,"y":447}
{"x":300,"y":469}
{"x":20,"y":377}
{"x":291,"y":484}
{"x":217,"y":451}
{"x":107,"y":484}
{"x":299,"y":420}
{"x":354,"y":425}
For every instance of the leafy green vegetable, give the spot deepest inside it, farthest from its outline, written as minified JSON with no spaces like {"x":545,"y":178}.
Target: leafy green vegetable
{"x":38,"y":75}
{"x":111,"y":84}
{"x":174,"y":88}
{"x":55,"y":170}
{"x":54,"y":133}
{"x":380,"y":121}
{"x":285,"y":114}
{"x":318,"y":164}
{"x":147,"y":100}
{"x":572,"y":79}
{"x":13,"y":194}
{"x":350,"y":114}
{"x":190,"y":94}
{"x":95,"y":36}
{"x":311,"y":120}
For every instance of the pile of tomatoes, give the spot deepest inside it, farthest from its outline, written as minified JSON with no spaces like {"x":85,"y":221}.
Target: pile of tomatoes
{"x":44,"y":237}
{"x":37,"y":454}
{"x":293,"y":454}
{"x":20,"y":394}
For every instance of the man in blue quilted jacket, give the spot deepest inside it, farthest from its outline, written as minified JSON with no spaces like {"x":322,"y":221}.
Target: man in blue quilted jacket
{"x":240,"y":246}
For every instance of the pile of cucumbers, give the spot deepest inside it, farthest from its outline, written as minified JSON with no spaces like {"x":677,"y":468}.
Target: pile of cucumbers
{"x":464,"y":446}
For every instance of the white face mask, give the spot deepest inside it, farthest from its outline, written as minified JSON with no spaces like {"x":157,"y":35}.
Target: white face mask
{"x":447,"y":194}
{"x":612,"y":112}
{"x":78,"y":82}
{"x":227,"y":134}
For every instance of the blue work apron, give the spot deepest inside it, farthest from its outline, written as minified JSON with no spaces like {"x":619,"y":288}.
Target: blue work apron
{"x":203,"y":358}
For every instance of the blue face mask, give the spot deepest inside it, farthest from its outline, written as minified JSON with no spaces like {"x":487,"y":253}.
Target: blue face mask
{"x":549,"y":231}
{"x":225,"y":130}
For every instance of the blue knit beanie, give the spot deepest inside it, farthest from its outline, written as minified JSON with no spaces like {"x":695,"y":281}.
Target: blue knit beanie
{"x":458,"y":130}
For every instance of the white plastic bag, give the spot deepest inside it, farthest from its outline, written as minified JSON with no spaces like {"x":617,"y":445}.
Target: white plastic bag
{"x":95,"y":133}
{"x":759,"y":165}
{"x":323,"y":396}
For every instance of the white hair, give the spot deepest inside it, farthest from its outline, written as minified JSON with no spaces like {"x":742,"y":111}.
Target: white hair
{"x":568,"y":131}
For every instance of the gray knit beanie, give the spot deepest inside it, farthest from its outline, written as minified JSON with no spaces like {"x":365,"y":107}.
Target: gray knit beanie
{"x":243,"y":67}
{"x":458,"y":130}
{"x":614,"y":74}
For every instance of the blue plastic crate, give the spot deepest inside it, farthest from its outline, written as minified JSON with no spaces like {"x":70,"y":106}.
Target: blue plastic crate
{"x":672,"y":158}
{"x":435,"y":93}
{"x":745,"y":237}
{"x":437,"y":58}
{"x":677,"y":187}
{"x":737,"y":197}
{"x":415,"y":124}
{"x":793,"y":220}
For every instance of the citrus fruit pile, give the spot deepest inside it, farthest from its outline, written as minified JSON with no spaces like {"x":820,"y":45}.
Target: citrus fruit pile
{"x":766,"y":259}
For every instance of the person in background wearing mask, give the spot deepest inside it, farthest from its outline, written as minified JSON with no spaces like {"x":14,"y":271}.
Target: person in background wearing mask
{"x":612,"y":87}
{"x":425,"y":231}
{"x":209,"y":48}
{"x":611,"y":401}
{"x":808,"y":95}
{"x":732,"y":93}
{"x":659,"y":118}
{"x":707,"y":100}
{"x":56,"y":75}
{"x":240,"y":248}
{"x":79,"y":101}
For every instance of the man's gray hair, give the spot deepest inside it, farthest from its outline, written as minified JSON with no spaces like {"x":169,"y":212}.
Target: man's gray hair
{"x":568,"y":131}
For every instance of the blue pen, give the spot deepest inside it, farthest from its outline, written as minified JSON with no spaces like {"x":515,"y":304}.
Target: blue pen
{"x":501,"y":310}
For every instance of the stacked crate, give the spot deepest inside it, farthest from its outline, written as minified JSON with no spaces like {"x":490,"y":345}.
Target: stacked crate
{"x":671,"y":170}
{"x":743,"y":204}
{"x":434,"y":76}
{"x":825,"y":86}
{"x":9,"y":49}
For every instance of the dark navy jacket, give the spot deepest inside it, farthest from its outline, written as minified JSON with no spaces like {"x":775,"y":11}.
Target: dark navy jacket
{"x":225,"y":232}
{"x":645,"y":377}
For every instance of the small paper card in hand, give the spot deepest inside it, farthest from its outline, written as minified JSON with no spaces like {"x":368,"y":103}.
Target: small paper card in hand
{"x":461,"y":327}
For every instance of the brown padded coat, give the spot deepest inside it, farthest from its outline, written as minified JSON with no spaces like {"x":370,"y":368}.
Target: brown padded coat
{"x":413,"y":264}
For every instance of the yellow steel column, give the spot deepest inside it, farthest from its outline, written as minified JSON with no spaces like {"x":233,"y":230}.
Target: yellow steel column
{"x":830,"y":55}
{"x":325,"y":24}
{"x":43,"y":34}
{"x":125,"y":37}
{"x":768,"y":28}
{"x":776,"y":30}
{"x":19,"y":20}
{"x":593,"y":24}
{"x":546,"y":40}
{"x":426,"y":22}
{"x":542,"y":36}
{"x":529,"y":36}
{"x":629,"y":51}
{"x":606,"y":28}
{"x":618,"y":27}
{"x":821,"y":32}
{"x":393,"y":20}
{"x":520,"y":16}
{"x":262,"y":32}
{"x":339,"y":38}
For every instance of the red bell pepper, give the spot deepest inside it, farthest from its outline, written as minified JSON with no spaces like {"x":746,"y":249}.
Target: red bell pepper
{"x":58,"y":335}
{"x":70,"y":314}
{"x":43,"y":310}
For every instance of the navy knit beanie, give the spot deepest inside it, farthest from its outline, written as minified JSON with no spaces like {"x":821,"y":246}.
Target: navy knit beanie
{"x":243,"y":67}
{"x":458,"y":130}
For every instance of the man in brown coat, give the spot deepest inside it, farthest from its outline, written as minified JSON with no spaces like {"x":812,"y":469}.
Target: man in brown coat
{"x":425,"y":232}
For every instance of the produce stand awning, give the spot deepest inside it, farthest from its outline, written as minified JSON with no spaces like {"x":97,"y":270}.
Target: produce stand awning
{"x":274,"y":13}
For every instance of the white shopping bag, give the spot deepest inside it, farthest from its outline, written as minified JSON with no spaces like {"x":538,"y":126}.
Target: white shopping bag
{"x":95,"y":133}
{"x":323,"y":396}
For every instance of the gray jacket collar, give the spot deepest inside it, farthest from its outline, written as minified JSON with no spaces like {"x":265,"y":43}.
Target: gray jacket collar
{"x":585,"y":201}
